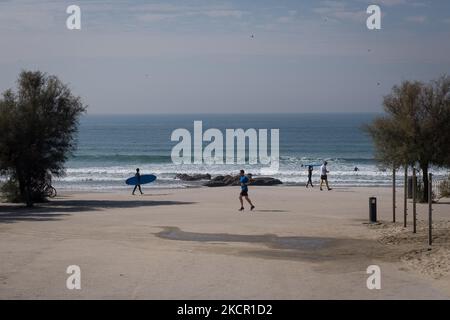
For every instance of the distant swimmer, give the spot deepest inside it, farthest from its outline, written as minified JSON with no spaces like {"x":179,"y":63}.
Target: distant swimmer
{"x":310,"y":171}
{"x":138,"y":185}
{"x":356,"y":169}
{"x":244,"y":180}
{"x":324,"y":175}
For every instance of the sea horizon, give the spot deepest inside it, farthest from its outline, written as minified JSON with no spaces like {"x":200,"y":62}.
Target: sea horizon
{"x":110,"y":148}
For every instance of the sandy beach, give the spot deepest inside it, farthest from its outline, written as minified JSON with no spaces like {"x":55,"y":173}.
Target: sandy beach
{"x":193,"y":244}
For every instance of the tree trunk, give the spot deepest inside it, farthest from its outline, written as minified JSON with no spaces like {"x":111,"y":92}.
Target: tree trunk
{"x":24,"y":188}
{"x":393,"y":194}
{"x":29,"y":196}
{"x":414,"y":200}
{"x":21,"y":186}
{"x":424,"y":168}
{"x":405,"y":195}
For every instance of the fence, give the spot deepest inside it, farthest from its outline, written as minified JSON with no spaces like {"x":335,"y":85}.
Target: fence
{"x":440,"y":187}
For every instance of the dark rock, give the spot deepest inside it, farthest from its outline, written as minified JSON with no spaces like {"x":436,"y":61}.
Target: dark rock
{"x":231,"y":180}
{"x":220,"y":181}
{"x":265,"y":181}
{"x":228,"y":180}
{"x":195,"y":177}
{"x":214,"y":184}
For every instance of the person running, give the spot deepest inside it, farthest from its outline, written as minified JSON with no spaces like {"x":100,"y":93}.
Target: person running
{"x":323,"y":175}
{"x":244,"y":180}
{"x":138,"y":185}
{"x":310,"y":171}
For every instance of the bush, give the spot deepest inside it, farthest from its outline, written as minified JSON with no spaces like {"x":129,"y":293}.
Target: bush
{"x":444,"y":188}
{"x":1,"y":191}
{"x":11,"y":193}
{"x":420,"y":196}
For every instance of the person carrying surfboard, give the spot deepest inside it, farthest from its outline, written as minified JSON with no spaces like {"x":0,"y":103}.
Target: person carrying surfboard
{"x":138,"y":185}
{"x":310,"y":172}
{"x":244,"y":180}
{"x":137,"y":180}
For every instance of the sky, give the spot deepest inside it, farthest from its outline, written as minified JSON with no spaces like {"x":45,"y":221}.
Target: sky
{"x":235,"y":56}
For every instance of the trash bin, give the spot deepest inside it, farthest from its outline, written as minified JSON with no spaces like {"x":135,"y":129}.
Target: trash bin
{"x":410,"y":187}
{"x":373,"y":209}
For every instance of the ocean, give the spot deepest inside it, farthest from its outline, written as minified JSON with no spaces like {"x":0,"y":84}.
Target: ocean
{"x":111,"y":147}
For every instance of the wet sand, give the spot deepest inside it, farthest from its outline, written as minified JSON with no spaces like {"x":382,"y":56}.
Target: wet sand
{"x":193,"y":244}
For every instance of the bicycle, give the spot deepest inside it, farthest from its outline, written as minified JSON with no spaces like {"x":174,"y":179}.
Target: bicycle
{"x":49,"y":191}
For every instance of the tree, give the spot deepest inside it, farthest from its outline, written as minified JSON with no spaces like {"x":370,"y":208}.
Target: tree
{"x":416,"y":127}
{"x":433,"y":142}
{"x":38,"y":125}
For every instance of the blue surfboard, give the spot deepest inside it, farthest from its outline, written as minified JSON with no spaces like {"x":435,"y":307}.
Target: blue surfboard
{"x":145,"y":178}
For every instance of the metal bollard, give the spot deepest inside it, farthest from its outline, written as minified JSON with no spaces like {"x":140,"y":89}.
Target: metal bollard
{"x":373,"y":209}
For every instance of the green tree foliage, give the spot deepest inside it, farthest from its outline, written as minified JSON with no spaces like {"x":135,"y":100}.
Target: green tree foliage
{"x":416,"y":127}
{"x":38,"y":124}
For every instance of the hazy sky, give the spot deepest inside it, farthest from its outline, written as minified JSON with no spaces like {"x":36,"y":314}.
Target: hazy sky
{"x":200,"y":56}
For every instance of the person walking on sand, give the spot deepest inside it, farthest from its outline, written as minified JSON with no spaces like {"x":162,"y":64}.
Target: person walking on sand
{"x":138,"y":185}
{"x":323,"y":175}
{"x":244,"y":180}
{"x":310,"y":171}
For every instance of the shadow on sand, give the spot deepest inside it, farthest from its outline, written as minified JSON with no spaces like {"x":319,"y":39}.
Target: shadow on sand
{"x":286,"y":247}
{"x":52,"y":211}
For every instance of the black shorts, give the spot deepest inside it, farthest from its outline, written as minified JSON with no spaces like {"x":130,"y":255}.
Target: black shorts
{"x":244,"y":193}
{"x":323,"y":177}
